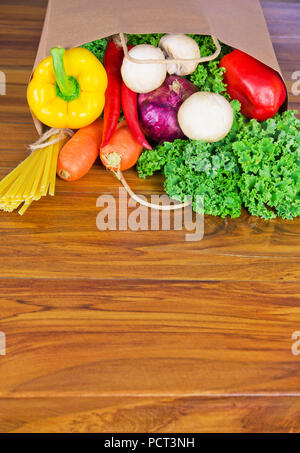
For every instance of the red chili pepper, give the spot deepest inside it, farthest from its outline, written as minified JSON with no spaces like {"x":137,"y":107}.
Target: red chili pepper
{"x":130,"y":110}
{"x":258,"y":87}
{"x":113,"y":59}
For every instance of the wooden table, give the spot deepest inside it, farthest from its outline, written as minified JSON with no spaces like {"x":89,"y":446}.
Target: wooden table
{"x":140,"y":331}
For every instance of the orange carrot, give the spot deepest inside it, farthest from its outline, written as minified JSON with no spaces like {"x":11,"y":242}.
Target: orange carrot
{"x":122,"y":151}
{"x":79,"y":154}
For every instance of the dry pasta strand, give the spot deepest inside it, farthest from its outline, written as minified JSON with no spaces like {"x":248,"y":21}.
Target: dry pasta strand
{"x":35,"y":176}
{"x":52,"y":177}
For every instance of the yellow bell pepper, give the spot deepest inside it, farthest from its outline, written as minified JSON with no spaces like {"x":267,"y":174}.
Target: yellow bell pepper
{"x":67,"y":89}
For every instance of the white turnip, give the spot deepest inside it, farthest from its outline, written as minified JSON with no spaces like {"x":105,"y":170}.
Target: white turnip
{"x":177,"y":46}
{"x":205,"y":116}
{"x":140,"y":77}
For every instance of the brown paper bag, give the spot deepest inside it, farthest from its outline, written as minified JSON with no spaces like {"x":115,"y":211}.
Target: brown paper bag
{"x":238,"y":23}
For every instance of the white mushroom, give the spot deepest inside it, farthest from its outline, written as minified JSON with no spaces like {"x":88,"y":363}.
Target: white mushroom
{"x":180,"y":46}
{"x":143,"y":78}
{"x":205,"y":116}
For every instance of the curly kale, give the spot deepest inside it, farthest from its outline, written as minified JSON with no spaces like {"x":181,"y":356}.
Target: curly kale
{"x":269,"y":156}
{"x":148,"y":38}
{"x":97,"y":47}
{"x":208,"y":76}
{"x":256,"y":164}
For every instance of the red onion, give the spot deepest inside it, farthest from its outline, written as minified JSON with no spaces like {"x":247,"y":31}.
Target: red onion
{"x":158,"y":109}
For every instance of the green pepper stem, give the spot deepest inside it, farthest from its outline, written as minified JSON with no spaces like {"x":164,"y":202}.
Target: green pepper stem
{"x":66,"y":84}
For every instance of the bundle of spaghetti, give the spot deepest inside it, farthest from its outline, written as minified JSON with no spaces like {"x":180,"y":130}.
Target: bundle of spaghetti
{"x":35,"y":177}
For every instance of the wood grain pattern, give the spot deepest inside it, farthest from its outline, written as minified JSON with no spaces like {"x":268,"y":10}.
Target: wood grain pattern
{"x":20,"y":29}
{"x":141,"y":331}
{"x":141,"y":338}
{"x":150,"y":415}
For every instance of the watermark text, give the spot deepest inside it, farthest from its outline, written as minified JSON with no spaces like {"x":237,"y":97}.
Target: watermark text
{"x":2,"y":83}
{"x":2,"y":343}
{"x":296,"y":344}
{"x":296,"y":85}
{"x":125,"y":213}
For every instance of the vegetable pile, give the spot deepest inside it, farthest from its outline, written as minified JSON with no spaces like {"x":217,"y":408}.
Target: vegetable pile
{"x":209,"y":117}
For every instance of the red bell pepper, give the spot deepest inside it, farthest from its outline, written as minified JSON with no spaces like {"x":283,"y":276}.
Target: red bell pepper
{"x":258,"y":87}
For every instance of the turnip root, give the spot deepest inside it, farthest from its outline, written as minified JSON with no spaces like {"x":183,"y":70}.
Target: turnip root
{"x":143,"y":78}
{"x":205,"y":116}
{"x":180,"y":46}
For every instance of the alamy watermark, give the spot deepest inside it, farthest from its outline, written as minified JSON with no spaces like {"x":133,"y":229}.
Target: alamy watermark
{"x":296,"y":85}
{"x":296,"y":344}
{"x":116,"y":214}
{"x":2,"y":343}
{"x":2,"y":83}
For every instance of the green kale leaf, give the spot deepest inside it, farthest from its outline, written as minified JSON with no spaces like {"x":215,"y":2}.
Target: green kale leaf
{"x":97,"y":47}
{"x":269,"y":156}
{"x":147,"y":38}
